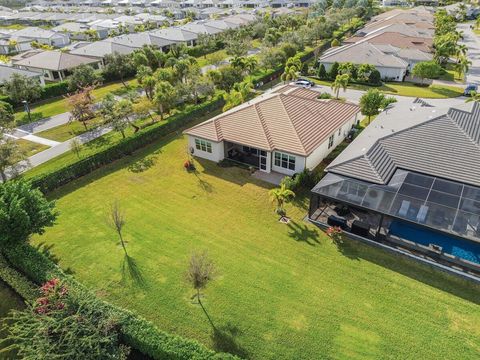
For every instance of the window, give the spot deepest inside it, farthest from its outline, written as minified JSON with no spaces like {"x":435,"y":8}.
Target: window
{"x":339,"y":132}
{"x":330,"y":141}
{"x":203,"y":145}
{"x":285,"y":161}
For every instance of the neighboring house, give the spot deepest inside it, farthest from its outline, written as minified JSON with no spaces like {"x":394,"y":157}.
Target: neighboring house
{"x":201,"y":27}
{"x":411,"y":56}
{"x":6,"y":73}
{"x":285,"y":131}
{"x":54,"y":65}
{"x":410,"y":179}
{"x":397,"y":40}
{"x":176,"y":35}
{"x":390,"y":66}
{"x":139,"y":40}
{"x":99,"y":49}
{"x":42,"y":36}
{"x":75,"y":30}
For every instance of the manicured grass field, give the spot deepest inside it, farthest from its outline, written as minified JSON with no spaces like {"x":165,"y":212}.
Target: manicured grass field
{"x":59,"y":105}
{"x":282,"y":291}
{"x":67,"y":131}
{"x":407,"y":89}
{"x":31,"y":148}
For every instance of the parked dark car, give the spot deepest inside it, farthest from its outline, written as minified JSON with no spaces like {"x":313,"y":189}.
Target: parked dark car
{"x":469,"y":89}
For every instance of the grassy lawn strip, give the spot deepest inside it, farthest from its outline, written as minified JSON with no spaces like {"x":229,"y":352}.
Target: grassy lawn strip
{"x":67,"y":131}
{"x":406,"y":89}
{"x":57,"y":106}
{"x":281,"y":291}
{"x":31,"y":148}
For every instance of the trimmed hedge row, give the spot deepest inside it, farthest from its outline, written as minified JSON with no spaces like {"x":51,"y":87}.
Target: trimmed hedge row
{"x":127,"y":146}
{"x":135,"y":331}
{"x":19,"y":283}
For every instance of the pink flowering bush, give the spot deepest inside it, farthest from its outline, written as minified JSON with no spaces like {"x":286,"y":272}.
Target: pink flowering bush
{"x":335,"y":233}
{"x":54,"y":297}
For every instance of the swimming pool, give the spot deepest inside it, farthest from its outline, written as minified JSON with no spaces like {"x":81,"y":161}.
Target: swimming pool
{"x":464,"y":249}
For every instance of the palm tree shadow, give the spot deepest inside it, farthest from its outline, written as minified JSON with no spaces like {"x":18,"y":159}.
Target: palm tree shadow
{"x":346,"y":247}
{"x":131,"y":271}
{"x":204,"y":185}
{"x":224,"y":339}
{"x":46,"y":250}
{"x":303,"y":233}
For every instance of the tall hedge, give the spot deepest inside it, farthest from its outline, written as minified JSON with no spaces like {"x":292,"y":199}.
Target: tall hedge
{"x":135,"y":331}
{"x":127,"y":146}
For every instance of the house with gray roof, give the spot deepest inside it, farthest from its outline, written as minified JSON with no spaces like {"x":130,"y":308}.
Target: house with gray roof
{"x":390,"y":66}
{"x":410,"y":179}
{"x":176,"y":35}
{"x":53,"y":65}
{"x":6,"y":73}
{"x":42,"y":36}
{"x":99,"y":49}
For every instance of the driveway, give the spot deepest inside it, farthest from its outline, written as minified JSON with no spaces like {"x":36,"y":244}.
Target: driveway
{"x":472,"y":41}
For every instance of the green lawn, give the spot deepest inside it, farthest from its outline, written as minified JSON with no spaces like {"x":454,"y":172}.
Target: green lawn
{"x":67,"y":131}
{"x":59,"y":105}
{"x":282,"y":291}
{"x":407,"y":89}
{"x":31,"y":148}
{"x":207,"y":59}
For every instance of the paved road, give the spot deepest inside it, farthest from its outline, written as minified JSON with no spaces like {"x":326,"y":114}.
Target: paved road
{"x":472,"y":41}
{"x":59,"y":149}
{"x":355,"y":95}
{"x":46,"y":123}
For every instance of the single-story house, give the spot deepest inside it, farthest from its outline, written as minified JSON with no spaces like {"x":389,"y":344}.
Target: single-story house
{"x":139,"y":40}
{"x":54,"y":65}
{"x":411,"y":180}
{"x":42,"y":36}
{"x":6,"y":73}
{"x":285,"y":131}
{"x":76,"y":30}
{"x":396,"y":39}
{"x":390,"y":66}
{"x":176,"y":35}
{"x":99,"y":49}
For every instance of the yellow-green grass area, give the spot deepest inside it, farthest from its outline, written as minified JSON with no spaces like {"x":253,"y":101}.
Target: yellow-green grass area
{"x":281,"y":291}
{"x":100,"y":144}
{"x":407,"y":89}
{"x":59,"y":105}
{"x":67,"y":131}
{"x":30,"y":148}
{"x":451,"y":75}
{"x":13,"y":27}
{"x":207,"y":59}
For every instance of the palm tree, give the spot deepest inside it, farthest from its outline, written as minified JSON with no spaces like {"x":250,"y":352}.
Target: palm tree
{"x":250,"y":64}
{"x":474,"y":96}
{"x":462,"y":66}
{"x":280,"y":196}
{"x":341,"y":82}
{"x":290,"y":74}
{"x":238,"y":62}
{"x":461,"y":50}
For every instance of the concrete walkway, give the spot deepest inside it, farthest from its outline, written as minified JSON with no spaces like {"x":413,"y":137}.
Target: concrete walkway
{"x":46,"y":123}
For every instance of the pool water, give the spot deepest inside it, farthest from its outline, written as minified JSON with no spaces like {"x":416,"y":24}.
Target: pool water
{"x":464,"y":249}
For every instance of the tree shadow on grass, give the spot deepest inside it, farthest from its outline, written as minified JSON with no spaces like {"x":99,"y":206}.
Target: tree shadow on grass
{"x":224,"y":339}
{"x":24,"y":119}
{"x":203,"y":184}
{"x":46,"y":250}
{"x":132,"y":271}
{"x":142,"y":164}
{"x":346,"y":247}
{"x":303,"y":233}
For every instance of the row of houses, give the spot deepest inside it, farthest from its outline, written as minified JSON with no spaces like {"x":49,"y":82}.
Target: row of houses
{"x":393,"y":42}
{"x":201,"y":4}
{"x":57,"y":65}
{"x":409,"y":182}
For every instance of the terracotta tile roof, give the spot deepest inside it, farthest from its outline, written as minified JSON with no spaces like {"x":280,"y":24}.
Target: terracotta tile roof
{"x":290,"y":119}
{"x":397,"y":40}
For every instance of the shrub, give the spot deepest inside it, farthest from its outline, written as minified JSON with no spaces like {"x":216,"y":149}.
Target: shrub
{"x":334,"y":70}
{"x":127,"y":146}
{"x":54,"y":89}
{"x":325,"y":95}
{"x":135,"y":331}
{"x":374,"y":78}
{"x":322,"y":73}
{"x":335,"y":43}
